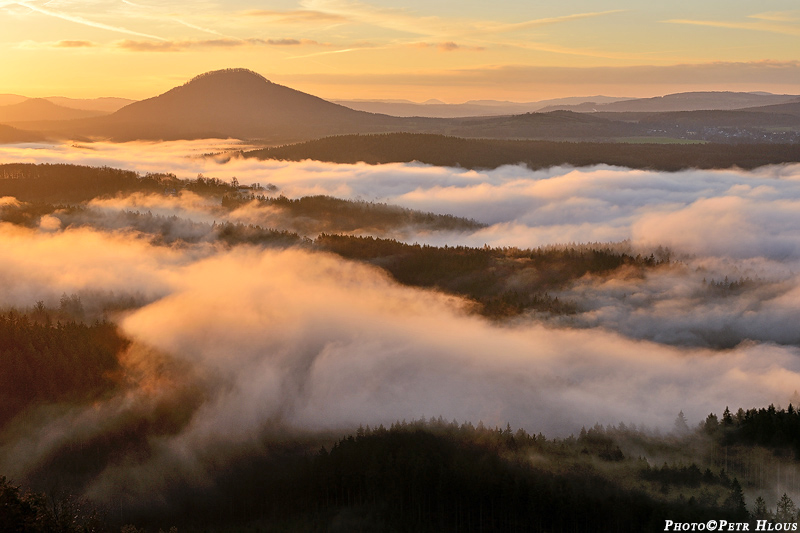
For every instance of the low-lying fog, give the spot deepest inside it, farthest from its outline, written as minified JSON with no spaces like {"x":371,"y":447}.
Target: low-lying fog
{"x":307,"y":341}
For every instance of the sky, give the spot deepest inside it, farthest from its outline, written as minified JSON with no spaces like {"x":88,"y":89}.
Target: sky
{"x":447,"y":50}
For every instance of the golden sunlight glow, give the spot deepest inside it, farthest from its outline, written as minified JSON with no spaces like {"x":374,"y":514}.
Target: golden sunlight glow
{"x":451,"y":51}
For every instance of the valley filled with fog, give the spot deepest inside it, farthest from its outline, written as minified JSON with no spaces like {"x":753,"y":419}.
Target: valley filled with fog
{"x":245,"y":342}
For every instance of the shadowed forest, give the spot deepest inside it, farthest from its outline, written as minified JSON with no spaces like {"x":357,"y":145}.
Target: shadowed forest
{"x":490,"y":153}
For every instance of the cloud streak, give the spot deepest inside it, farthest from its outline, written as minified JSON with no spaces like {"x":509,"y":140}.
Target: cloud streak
{"x":780,"y":76}
{"x":404,"y":21}
{"x":85,"y":22}
{"x":176,"y":46}
{"x":298,"y":16}
{"x":769,"y":26}
{"x":75,"y":44}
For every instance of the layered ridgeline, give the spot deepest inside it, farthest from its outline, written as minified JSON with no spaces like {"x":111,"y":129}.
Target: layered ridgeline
{"x":689,"y":101}
{"x":38,"y":109}
{"x":239,"y":103}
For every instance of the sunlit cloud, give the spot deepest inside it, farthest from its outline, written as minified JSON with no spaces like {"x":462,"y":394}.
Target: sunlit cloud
{"x":448,"y":46}
{"x":75,"y":44}
{"x":297,"y":16}
{"x":291,"y":42}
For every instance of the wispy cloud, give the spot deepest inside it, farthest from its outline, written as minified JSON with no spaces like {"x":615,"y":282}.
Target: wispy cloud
{"x":179,"y":45}
{"x":75,"y":44}
{"x":406,"y":21}
{"x":199,"y":28}
{"x":352,"y":47}
{"x":299,"y":16}
{"x":572,"y":51}
{"x":763,"y":25}
{"x":448,"y":46}
{"x":493,"y":27}
{"x":779,"y":16}
{"x":86,"y":22}
{"x":292,"y":42}
{"x":754,"y":72}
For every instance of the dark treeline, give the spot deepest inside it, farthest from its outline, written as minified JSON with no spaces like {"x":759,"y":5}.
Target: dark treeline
{"x":31,"y":512}
{"x":42,"y":186}
{"x":483,"y":274}
{"x":353,"y":215}
{"x":490,"y":153}
{"x":439,"y":476}
{"x":62,"y":183}
{"x":49,"y":357}
{"x":769,"y":427}
{"x":70,"y":183}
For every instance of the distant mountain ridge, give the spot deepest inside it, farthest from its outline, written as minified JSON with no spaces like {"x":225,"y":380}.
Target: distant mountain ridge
{"x":689,"y":101}
{"x":106,"y":104}
{"x":11,"y":99}
{"x":472,"y":108}
{"x":239,"y":103}
{"x":35,"y":109}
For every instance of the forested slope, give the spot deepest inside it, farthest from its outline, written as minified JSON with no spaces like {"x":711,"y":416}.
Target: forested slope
{"x":490,"y":153}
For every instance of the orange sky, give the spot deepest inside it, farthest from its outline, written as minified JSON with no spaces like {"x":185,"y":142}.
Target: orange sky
{"x":452,"y":51}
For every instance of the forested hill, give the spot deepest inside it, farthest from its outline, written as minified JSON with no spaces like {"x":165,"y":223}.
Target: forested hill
{"x":443,"y":150}
{"x":14,"y":135}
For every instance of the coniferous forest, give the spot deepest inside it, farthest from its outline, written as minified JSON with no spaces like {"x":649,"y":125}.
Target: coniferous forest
{"x":492,"y":153}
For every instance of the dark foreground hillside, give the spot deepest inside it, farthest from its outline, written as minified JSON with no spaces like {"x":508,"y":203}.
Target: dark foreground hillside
{"x":442,"y":150}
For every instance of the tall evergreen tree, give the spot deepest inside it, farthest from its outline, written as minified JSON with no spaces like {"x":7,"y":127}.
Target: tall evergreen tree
{"x":786,"y":510}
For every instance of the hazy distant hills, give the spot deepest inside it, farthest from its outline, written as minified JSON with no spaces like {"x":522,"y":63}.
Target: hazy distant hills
{"x":473,"y":108}
{"x":691,"y":101}
{"x":238,"y":103}
{"x":232,"y":103}
{"x":36,"y":109}
{"x":10,"y":99}
{"x":556,"y":125}
{"x":105,"y":104}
